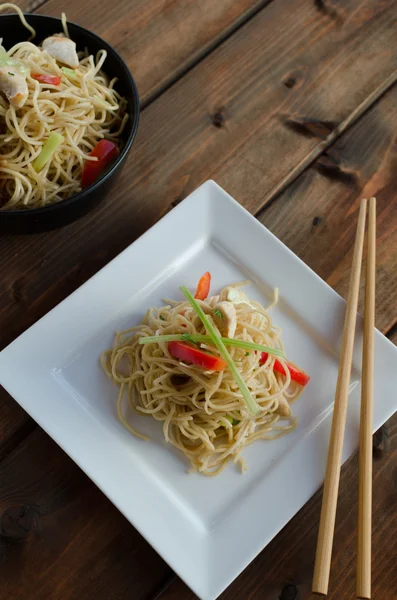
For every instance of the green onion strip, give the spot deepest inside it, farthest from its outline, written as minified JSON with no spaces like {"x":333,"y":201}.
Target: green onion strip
{"x":205,"y":339}
{"x":217,"y":340}
{"x":50,"y":145}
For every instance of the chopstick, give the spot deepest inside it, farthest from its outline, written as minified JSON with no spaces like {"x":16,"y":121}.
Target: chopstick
{"x":331,"y":484}
{"x":363,"y":585}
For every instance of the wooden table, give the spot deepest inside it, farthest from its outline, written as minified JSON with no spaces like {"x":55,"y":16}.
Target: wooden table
{"x":291,"y":106}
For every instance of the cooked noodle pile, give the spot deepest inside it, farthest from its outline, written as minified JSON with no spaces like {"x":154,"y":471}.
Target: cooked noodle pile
{"x":83,"y":108}
{"x":203,"y":413}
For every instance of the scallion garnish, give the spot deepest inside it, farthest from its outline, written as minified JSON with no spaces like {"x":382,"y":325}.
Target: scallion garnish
{"x":217,"y":340}
{"x":53,"y":141}
{"x":218,"y":313}
{"x":188,"y":338}
{"x":69,"y":72}
{"x":205,"y":339}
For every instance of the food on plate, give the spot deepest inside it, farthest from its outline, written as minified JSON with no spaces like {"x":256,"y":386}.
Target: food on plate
{"x":60,"y":119}
{"x":212,"y":370}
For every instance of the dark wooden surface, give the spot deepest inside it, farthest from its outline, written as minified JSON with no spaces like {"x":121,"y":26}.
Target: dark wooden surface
{"x":291,"y":106}
{"x":316,"y":216}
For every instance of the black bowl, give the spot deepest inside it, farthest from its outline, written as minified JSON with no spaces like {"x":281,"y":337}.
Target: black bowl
{"x":49,"y":217}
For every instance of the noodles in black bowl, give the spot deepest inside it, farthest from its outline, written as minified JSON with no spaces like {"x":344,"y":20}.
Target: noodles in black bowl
{"x":69,"y":113}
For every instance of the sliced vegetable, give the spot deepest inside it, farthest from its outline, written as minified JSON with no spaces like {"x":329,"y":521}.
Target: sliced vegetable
{"x":16,"y":65}
{"x":207,"y":339}
{"x":217,"y":340}
{"x":296,"y":375}
{"x":232,"y":421}
{"x":69,"y":72}
{"x":187,"y":353}
{"x":105,"y":151}
{"x":49,"y":79}
{"x":203,"y":287}
{"x":53,"y":141}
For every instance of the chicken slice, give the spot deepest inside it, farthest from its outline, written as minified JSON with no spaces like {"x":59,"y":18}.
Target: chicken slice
{"x":212,"y":300}
{"x":14,"y":86}
{"x":62,"y":49}
{"x":235,"y":295}
{"x":225,"y":317}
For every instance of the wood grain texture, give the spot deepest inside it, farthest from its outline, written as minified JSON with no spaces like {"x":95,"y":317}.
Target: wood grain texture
{"x":316,"y":216}
{"x":159,"y":39}
{"x":14,"y":424}
{"x":60,"y":538}
{"x":392,"y":335}
{"x":30,"y":5}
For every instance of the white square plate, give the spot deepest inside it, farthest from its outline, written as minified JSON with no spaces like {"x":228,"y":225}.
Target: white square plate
{"x":194,"y":522}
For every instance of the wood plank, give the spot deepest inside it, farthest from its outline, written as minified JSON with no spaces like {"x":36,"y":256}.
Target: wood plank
{"x":29,"y":5}
{"x":159,"y":40}
{"x":316,"y":216}
{"x":239,"y":121}
{"x":61,"y":539}
{"x":14,"y":424}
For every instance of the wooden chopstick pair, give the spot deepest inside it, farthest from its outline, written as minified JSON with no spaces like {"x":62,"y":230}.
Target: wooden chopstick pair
{"x":331,"y":484}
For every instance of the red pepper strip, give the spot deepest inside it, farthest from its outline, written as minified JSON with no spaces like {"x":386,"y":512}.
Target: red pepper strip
{"x":299,"y":376}
{"x":196,"y":356}
{"x":203,"y":288}
{"x":51,"y":79}
{"x":105,"y":151}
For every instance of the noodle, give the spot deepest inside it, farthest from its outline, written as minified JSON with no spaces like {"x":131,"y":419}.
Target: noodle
{"x":84,"y":108}
{"x":203,"y":413}
{"x":14,"y":7}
